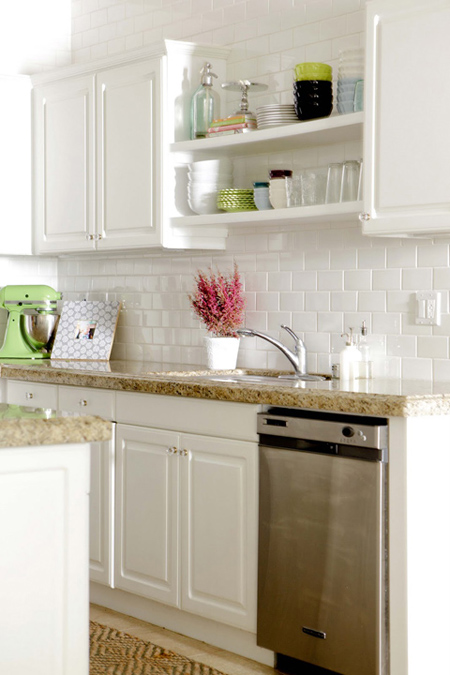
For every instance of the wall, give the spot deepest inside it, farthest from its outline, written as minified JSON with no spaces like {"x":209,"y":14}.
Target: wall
{"x":320,"y":280}
{"x":34,"y":36}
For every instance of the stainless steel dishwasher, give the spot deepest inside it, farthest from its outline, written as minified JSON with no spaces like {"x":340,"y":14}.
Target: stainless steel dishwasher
{"x":322,"y":570}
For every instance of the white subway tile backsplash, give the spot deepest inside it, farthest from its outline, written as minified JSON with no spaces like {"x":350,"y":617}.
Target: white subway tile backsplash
{"x":330,"y":322}
{"x":292,"y":302}
{"x":372,"y":301}
{"x":386,"y":280}
{"x":344,"y":301}
{"x":432,"y":347}
{"x":357,"y":280}
{"x":402,"y":345}
{"x":417,"y":279}
{"x":417,"y":369}
{"x":372,"y":258}
{"x":318,"y":301}
{"x":402,"y":256}
{"x":267,"y":302}
{"x":328,"y":280}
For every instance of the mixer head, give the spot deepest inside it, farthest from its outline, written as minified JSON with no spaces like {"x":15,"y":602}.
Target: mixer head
{"x":39,"y":297}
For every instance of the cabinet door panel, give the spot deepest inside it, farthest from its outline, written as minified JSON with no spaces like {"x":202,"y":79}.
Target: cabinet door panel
{"x":128,"y":154}
{"x":63,"y":165}
{"x":407,"y":182}
{"x":147,"y":513}
{"x":219,"y":530}
{"x":101,"y":512}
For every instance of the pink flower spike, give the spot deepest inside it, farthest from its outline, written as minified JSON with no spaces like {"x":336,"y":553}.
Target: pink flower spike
{"x":218,"y":301}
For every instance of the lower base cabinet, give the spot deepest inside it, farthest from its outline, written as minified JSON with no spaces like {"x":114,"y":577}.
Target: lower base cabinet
{"x":186,"y":522}
{"x":101,"y":510}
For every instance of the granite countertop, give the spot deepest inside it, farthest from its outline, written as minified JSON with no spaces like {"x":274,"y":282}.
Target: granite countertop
{"x":382,"y":398}
{"x":21,"y":426}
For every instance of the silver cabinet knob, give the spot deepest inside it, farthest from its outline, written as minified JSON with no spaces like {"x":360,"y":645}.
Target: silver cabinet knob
{"x":83,"y":402}
{"x":364,"y":217}
{"x":28,"y":395}
{"x":172,"y":451}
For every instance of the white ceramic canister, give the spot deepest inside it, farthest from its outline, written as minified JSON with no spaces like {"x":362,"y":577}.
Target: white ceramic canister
{"x":279,"y":187}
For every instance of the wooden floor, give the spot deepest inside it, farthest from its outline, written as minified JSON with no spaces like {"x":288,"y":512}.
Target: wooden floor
{"x":226,"y":662}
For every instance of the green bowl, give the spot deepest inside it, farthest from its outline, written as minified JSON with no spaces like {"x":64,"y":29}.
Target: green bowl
{"x":313,"y":71}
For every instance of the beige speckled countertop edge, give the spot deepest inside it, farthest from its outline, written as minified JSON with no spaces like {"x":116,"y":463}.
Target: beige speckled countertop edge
{"x":179,"y":385}
{"x":54,"y":431}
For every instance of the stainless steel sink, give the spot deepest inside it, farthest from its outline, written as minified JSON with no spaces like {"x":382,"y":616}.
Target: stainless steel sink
{"x":274,"y":380}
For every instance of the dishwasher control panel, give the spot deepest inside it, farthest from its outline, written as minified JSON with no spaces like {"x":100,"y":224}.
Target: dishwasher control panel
{"x":324,"y":427}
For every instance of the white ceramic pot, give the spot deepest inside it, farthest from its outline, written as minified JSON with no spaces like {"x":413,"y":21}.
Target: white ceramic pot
{"x":221,"y":352}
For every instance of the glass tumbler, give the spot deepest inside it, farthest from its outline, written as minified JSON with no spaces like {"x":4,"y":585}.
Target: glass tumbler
{"x":350,"y":181}
{"x":334,"y":180}
{"x":313,"y":187}
{"x":294,"y":195}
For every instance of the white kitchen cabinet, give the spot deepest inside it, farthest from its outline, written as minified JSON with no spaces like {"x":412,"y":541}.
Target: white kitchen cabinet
{"x":204,"y":563}
{"x":407,"y":145}
{"x":32,"y":394}
{"x":101,"y":501}
{"x":219,"y":527}
{"x":43,"y":564}
{"x":64,"y":165}
{"x":101,"y":497}
{"x":128,"y":155}
{"x":146,"y":546}
{"x":15,"y":164}
{"x":97,"y":155}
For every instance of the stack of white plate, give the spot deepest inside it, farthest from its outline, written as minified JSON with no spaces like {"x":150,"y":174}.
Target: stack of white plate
{"x":350,"y":72}
{"x":206,"y":178}
{"x":275,"y":115}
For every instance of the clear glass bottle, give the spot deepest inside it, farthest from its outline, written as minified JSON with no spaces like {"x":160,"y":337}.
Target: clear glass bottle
{"x":366,"y":365}
{"x":205,"y":105}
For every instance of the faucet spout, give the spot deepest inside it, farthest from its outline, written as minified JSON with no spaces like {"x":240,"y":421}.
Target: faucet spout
{"x":297,"y":357}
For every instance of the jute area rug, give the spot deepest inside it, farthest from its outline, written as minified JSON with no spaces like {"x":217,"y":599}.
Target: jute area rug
{"x":115,"y":653}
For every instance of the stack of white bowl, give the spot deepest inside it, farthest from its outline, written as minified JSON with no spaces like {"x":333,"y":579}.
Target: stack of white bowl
{"x":206,"y":178}
{"x":351,"y":71}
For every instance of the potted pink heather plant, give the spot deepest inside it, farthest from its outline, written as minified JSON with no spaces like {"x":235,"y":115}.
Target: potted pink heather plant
{"x":219,"y":302}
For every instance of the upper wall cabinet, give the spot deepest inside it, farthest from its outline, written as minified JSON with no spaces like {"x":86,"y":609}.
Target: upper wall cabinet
{"x":96,"y":160}
{"x":15,"y":165}
{"x":101,"y":179}
{"x":64,"y":166}
{"x":407,"y":142}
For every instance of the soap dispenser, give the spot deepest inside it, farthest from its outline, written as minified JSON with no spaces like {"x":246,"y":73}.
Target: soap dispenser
{"x":205,"y":105}
{"x":349,"y":358}
{"x":366,"y":367}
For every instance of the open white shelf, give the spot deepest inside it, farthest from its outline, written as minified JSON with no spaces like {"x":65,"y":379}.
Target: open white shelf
{"x":324,"y":131}
{"x":321,"y":213}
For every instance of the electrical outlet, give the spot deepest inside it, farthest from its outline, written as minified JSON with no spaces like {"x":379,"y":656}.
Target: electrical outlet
{"x":428,"y":308}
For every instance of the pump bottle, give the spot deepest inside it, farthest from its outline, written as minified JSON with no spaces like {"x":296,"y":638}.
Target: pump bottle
{"x":366,"y":367}
{"x":349,"y":358}
{"x":205,"y":105}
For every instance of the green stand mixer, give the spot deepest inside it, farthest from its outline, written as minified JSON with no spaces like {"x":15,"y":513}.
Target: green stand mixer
{"x":32,"y":321}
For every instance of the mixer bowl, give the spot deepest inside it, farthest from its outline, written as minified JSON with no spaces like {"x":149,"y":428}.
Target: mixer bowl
{"x":40,"y":329}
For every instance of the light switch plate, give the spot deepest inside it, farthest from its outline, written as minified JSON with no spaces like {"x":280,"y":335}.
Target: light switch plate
{"x":428,"y":308}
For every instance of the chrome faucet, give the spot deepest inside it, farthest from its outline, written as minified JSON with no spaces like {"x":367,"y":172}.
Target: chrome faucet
{"x":297,"y":357}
